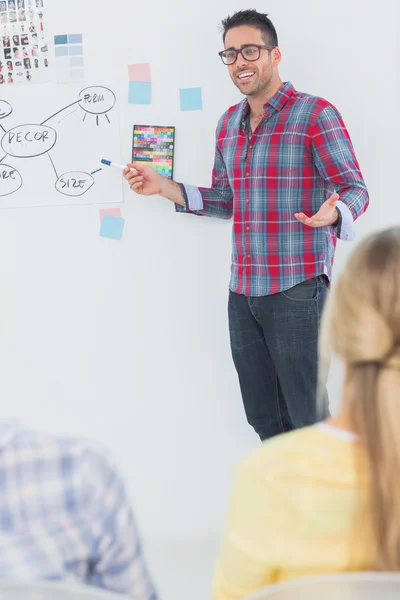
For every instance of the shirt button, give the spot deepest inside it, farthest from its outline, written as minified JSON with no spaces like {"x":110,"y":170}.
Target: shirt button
{"x":249,"y":256}
{"x":247,"y":174}
{"x":250,"y":147}
{"x":247,"y":228}
{"x":247,"y":200}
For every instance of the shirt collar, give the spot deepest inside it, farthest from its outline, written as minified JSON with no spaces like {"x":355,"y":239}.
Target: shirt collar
{"x":277,"y":101}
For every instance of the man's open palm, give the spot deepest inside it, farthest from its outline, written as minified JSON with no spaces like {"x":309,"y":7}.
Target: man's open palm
{"x":327,"y":214}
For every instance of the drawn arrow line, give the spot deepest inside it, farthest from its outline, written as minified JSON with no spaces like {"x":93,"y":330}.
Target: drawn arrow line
{"x":60,"y":111}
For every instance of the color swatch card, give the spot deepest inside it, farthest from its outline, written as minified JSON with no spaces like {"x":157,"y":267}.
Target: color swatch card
{"x":68,"y":49}
{"x":155,"y":146}
{"x":139,"y":83}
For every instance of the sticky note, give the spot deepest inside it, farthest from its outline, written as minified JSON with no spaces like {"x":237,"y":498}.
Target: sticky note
{"x":75,"y":50}
{"x":60,"y":39}
{"x":75,"y":38}
{"x":61,"y":50}
{"x":112,"y":227}
{"x":77,"y":74}
{"x":139,"y":92}
{"x":76,"y":61}
{"x":190,"y":98}
{"x":139,"y":72}
{"x":112,"y":212}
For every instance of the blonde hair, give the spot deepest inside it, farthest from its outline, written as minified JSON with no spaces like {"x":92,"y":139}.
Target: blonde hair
{"x":362,"y":326}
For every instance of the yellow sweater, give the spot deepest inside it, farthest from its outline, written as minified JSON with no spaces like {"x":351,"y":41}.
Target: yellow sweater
{"x":299,"y":507}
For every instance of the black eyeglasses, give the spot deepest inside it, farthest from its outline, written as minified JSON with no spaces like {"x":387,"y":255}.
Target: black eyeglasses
{"x":250,"y":52}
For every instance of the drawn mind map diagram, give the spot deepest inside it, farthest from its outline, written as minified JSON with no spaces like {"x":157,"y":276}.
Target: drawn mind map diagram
{"x":29,"y":141}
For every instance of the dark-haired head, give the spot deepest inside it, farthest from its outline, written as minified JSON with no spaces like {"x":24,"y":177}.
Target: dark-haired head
{"x":251,"y":18}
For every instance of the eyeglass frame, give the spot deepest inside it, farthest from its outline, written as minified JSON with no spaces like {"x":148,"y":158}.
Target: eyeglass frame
{"x":240,"y":51}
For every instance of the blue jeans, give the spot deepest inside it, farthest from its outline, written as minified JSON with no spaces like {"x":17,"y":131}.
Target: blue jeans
{"x":274,"y":342}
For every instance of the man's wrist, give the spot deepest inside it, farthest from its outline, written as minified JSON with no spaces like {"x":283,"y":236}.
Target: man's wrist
{"x":336,"y":218}
{"x":171,"y":190}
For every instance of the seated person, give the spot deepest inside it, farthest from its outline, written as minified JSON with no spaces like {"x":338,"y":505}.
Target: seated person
{"x":65,"y":515}
{"x":326,"y":498}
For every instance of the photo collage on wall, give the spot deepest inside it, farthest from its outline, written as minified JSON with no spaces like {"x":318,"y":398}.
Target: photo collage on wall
{"x":24,"y":49}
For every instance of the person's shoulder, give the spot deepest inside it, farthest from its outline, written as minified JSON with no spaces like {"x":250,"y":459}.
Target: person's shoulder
{"x":313,"y":105}
{"x":289,"y":453}
{"x":73,"y":452}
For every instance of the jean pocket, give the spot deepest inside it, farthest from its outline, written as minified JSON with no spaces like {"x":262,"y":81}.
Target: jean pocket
{"x":306,"y":291}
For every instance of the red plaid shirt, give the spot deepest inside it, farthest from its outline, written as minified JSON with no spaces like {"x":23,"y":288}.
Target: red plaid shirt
{"x":298,"y":156}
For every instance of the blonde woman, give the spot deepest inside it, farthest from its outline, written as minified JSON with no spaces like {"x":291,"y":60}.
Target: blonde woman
{"x":326,"y":498}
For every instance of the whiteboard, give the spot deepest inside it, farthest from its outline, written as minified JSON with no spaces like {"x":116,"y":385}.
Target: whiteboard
{"x":52,"y":145}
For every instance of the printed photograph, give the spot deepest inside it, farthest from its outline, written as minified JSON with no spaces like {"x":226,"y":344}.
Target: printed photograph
{"x":13,"y":17}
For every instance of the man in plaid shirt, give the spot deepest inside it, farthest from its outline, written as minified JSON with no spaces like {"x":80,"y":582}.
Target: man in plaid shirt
{"x":282,"y":161}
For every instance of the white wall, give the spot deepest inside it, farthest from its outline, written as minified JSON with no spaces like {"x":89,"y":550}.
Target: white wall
{"x":128,"y":341}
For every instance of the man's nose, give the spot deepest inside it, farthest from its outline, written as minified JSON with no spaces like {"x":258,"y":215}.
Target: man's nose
{"x":241,"y":62}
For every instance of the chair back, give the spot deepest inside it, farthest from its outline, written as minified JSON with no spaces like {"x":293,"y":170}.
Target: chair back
{"x":341,"y":586}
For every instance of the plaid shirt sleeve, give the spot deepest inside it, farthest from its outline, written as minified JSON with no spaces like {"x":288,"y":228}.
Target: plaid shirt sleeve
{"x":217,"y":200}
{"x":118,"y":563}
{"x":336,"y":161}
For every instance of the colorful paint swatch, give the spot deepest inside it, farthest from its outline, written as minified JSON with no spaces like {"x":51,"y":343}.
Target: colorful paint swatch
{"x":112,"y":212}
{"x":154,"y":146}
{"x":139,"y":72}
{"x":139,"y":92}
{"x":69,"y":57}
{"x":191,"y":98}
{"x":112,"y":227}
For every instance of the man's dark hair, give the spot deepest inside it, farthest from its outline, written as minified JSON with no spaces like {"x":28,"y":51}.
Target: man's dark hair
{"x":255,"y":19}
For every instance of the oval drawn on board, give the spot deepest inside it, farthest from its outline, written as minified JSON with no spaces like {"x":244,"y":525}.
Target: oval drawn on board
{"x":97,"y":100}
{"x":28,"y":141}
{"x":5,"y":109}
{"x":74,"y":183}
{"x":10,"y":180}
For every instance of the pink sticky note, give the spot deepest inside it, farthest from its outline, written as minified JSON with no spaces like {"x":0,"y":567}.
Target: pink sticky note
{"x":139,"y":72}
{"x":113,"y":212}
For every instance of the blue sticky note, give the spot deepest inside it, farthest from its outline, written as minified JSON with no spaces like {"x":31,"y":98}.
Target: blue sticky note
{"x":75,"y":38}
{"x":139,"y":92}
{"x":112,"y":227}
{"x":60,"y":39}
{"x":191,"y":98}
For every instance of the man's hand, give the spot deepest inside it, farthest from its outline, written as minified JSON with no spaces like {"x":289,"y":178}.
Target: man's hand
{"x":143,"y":179}
{"x":327,"y":214}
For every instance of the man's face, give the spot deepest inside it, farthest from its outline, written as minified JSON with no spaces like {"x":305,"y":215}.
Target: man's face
{"x":260,"y":71}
